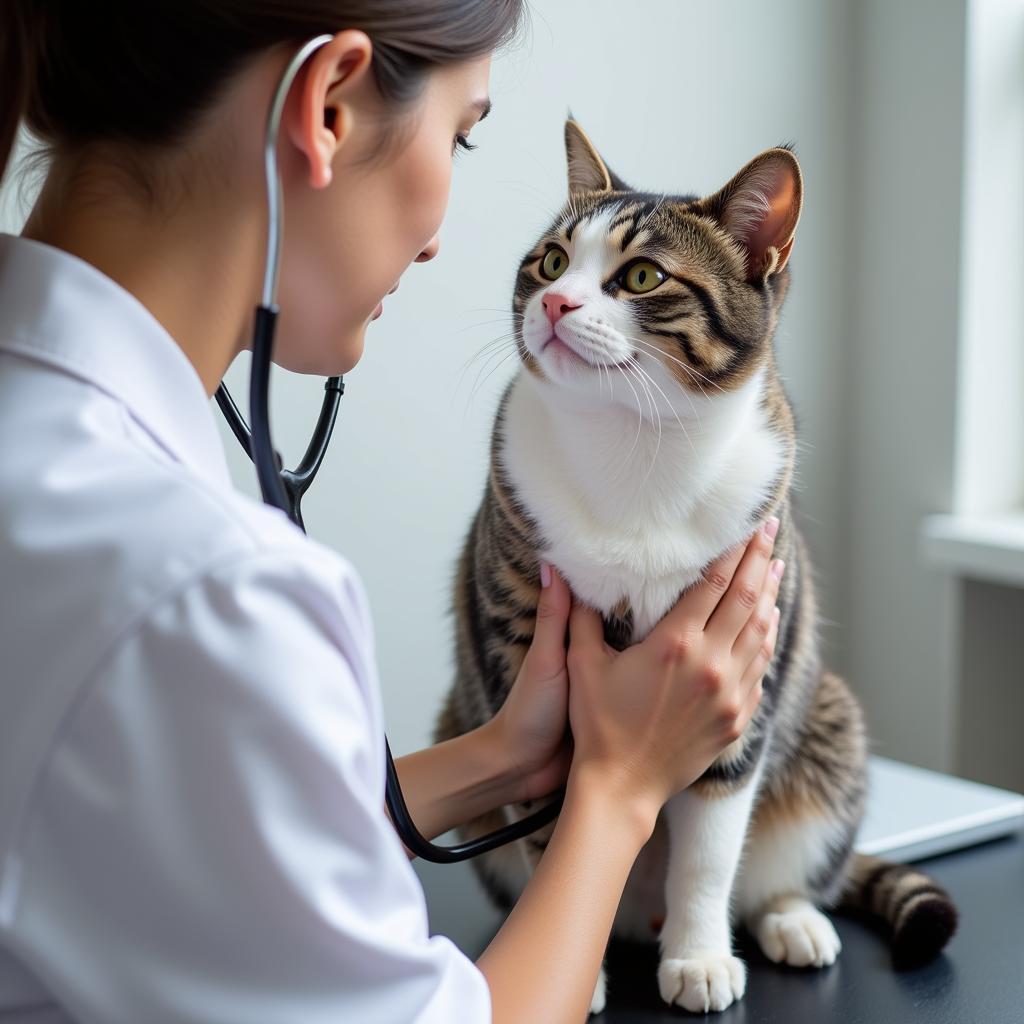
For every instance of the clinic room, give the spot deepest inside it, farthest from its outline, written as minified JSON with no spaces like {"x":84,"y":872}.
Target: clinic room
{"x":637,"y":635}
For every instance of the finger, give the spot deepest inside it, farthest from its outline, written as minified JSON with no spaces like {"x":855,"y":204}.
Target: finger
{"x":586,"y":628}
{"x":731,"y":615}
{"x":754,"y":633}
{"x":697,"y":603}
{"x":755,"y":671}
{"x":547,"y":650}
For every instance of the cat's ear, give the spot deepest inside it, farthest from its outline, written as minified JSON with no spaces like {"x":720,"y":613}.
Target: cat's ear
{"x":587,"y":171}
{"x":760,"y":208}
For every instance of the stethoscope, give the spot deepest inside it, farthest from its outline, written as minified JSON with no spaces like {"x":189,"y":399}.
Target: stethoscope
{"x":285,"y":488}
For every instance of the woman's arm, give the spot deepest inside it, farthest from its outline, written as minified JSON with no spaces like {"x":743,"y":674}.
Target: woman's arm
{"x":458,"y":780}
{"x":543,"y":963}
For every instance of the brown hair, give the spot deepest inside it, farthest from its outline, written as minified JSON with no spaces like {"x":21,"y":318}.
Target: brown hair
{"x":143,"y":73}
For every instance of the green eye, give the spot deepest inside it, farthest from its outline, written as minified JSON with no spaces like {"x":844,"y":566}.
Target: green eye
{"x":554,"y":263}
{"x":643,"y":277}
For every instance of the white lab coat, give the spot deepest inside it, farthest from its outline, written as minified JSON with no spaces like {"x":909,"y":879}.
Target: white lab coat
{"x":192,"y":822}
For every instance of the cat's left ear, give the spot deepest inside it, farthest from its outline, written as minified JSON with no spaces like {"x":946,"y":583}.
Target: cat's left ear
{"x":587,"y":171}
{"x":760,"y":208}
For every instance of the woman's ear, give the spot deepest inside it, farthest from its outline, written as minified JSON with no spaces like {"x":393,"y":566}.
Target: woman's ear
{"x":321,"y":120}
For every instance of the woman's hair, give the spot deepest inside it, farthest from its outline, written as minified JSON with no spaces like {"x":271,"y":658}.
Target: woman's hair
{"x":143,"y":73}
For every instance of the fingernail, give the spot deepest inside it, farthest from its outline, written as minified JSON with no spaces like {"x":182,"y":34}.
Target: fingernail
{"x":545,"y":574}
{"x":771,"y":528}
{"x":778,"y":568}
{"x":778,"y":613}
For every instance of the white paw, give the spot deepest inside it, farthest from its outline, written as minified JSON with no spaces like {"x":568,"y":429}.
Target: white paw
{"x":704,"y":981}
{"x":598,"y":1001}
{"x":800,"y":937}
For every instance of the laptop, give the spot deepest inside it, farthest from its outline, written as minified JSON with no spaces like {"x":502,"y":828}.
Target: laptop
{"x":914,"y":813}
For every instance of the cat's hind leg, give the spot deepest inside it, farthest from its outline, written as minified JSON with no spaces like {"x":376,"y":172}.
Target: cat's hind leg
{"x":802,"y":833}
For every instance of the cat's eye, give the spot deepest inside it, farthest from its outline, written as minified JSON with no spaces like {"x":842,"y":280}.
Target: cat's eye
{"x":554,"y":263}
{"x":642,"y":276}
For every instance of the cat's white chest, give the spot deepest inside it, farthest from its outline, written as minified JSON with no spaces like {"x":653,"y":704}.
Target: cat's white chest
{"x":634,"y":528}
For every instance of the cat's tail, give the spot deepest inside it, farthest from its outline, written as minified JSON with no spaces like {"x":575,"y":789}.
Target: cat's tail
{"x":920,"y":913}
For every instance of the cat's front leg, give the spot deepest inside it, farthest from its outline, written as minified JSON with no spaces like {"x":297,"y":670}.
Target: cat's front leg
{"x":707,"y":824}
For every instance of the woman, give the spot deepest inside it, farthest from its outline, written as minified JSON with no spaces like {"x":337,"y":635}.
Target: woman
{"x":191,"y":764}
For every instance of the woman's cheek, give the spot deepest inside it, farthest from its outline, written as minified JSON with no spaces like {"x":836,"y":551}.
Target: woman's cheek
{"x":426,"y":189}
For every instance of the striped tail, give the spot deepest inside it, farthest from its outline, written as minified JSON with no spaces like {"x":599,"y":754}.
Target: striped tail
{"x":919,"y":911}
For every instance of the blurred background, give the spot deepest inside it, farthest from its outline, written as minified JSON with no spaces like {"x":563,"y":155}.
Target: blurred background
{"x":901,"y":345}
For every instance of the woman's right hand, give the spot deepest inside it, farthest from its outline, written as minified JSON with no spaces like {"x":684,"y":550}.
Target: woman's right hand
{"x":649,"y":720}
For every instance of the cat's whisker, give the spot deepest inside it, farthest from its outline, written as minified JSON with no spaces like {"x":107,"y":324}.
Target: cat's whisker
{"x":487,"y":352}
{"x":507,"y":317}
{"x":492,"y":348}
{"x":655,"y":350}
{"x":482,"y":323}
{"x":700,"y":377}
{"x":639,"y":423}
{"x":689,"y":398}
{"x":674,"y":413}
{"x":501,"y":362}
{"x":686,"y":367}
{"x":498,"y":342}
{"x":492,"y":309}
{"x":631,"y":368}
{"x":655,"y":415}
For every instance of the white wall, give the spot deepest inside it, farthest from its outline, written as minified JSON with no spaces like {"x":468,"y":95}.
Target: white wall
{"x":906,"y":153}
{"x":681,"y":109}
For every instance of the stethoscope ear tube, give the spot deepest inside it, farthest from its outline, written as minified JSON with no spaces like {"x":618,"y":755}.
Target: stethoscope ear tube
{"x":284,"y":488}
{"x":261,"y":447}
{"x":295,"y":482}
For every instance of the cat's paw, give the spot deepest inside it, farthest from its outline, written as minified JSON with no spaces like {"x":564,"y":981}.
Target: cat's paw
{"x":597,"y":1003}
{"x":704,"y":981}
{"x":801,"y":936}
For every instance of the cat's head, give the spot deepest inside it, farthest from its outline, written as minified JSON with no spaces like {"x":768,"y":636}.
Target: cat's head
{"x":630,"y":287}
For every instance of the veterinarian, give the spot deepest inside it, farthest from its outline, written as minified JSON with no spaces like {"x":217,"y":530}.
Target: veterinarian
{"x":192,"y":820}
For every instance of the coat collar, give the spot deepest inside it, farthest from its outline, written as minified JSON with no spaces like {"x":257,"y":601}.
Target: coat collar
{"x":61,"y":310}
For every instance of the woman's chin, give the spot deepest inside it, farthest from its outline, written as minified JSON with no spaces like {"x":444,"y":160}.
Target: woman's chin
{"x":337,"y":356}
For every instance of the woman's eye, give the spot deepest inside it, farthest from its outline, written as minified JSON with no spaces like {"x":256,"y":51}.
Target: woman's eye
{"x":461,"y":142}
{"x":554,"y":263}
{"x":643,"y":277}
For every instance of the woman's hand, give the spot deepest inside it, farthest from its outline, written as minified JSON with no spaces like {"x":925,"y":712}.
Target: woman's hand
{"x":649,"y":720}
{"x":531,"y":726}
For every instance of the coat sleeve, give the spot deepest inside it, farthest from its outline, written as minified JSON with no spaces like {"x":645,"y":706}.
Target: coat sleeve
{"x":207,"y":841}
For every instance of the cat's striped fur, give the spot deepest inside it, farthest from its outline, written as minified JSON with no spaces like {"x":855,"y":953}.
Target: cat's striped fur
{"x":631,"y":499}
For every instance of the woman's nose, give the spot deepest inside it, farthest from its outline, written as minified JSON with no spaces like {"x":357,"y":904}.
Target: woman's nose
{"x":429,"y":250}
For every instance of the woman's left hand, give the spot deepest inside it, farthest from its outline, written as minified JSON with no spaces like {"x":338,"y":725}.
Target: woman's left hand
{"x":531,"y":728}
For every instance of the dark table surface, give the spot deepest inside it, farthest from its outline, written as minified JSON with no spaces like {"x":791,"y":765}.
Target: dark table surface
{"x":979,"y":978}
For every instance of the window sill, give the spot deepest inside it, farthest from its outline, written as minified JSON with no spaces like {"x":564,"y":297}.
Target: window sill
{"x":987,"y":548}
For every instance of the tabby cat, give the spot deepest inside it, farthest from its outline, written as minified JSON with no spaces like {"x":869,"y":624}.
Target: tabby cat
{"x":646,"y":432}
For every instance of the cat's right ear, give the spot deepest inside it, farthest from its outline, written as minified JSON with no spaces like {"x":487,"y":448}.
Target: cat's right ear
{"x":587,"y":171}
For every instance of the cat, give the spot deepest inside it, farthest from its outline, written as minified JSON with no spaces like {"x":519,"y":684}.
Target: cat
{"x":646,"y":432}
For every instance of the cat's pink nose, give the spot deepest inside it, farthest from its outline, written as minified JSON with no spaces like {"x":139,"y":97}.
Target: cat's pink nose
{"x":556,"y":306}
